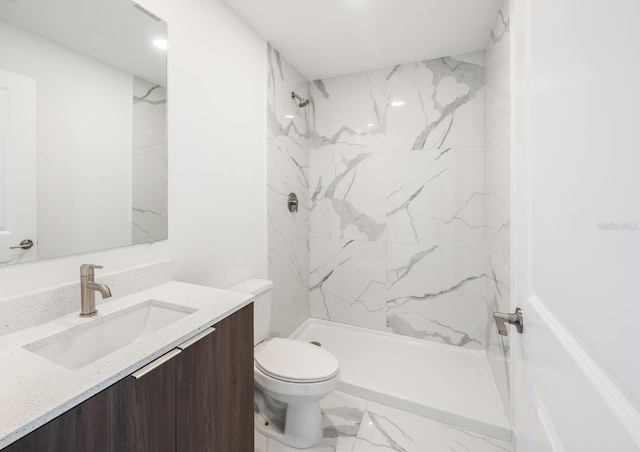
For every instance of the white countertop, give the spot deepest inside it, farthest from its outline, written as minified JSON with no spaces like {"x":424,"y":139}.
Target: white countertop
{"x":34,"y":390}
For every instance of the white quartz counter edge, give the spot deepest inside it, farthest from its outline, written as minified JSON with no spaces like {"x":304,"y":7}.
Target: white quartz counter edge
{"x":34,"y":390}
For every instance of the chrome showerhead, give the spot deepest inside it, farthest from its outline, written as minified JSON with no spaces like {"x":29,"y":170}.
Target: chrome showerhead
{"x":302,"y":102}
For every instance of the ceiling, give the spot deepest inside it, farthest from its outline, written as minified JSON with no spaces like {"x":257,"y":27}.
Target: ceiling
{"x":114,"y":32}
{"x":325,"y":38}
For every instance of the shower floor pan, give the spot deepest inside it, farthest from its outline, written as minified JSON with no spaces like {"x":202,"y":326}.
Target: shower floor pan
{"x":442,"y":382}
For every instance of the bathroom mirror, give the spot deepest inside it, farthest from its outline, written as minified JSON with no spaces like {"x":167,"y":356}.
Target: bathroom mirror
{"x":83,"y":127}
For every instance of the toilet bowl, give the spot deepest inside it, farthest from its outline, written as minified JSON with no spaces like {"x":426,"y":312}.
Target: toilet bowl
{"x":291,"y":372}
{"x":298,"y":374}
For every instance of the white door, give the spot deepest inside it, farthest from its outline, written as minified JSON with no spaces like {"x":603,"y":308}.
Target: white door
{"x":576,"y":214}
{"x":18,"y":217}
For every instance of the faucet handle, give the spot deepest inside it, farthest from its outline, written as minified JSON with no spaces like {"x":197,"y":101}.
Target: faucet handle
{"x":513,"y":319}
{"x":87,"y":269}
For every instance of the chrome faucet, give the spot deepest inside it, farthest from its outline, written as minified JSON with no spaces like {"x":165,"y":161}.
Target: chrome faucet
{"x":88,"y":288}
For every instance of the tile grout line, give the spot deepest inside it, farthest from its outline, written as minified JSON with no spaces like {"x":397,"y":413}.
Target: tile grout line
{"x":364,"y":413}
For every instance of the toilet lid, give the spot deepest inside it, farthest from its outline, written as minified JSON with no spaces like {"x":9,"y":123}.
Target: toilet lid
{"x":295,"y":361}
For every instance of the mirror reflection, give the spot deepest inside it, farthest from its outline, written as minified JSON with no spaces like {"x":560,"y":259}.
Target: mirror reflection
{"x":83,"y":127}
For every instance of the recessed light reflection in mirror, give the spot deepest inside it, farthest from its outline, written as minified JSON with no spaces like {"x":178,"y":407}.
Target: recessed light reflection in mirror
{"x":397,"y":103}
{"x":160,"y":43}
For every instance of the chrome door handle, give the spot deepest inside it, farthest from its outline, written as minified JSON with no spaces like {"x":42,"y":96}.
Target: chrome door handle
{"x":24,"y":245}
{"x":513,"y":319}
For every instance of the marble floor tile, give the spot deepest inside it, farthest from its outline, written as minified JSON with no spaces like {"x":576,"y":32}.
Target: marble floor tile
{"x":388,"y":429}
{"x":275,"y":446}
{"x":352,"y":424}
{"x":341,"y":417}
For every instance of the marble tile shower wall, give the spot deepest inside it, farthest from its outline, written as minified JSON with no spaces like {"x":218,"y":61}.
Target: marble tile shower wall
{"x":397,"y":221}
{"x":287,"y":171}
{"x":149,"y":162}
{"x":497,"y":182}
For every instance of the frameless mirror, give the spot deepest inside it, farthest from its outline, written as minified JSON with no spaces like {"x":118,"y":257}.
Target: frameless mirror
{"x":83,"y":127}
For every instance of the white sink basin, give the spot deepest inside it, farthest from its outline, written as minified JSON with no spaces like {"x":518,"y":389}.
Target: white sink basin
{"x":82,"y":345}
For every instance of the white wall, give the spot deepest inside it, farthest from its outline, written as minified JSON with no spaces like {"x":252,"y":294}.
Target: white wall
{"x":217,"y":129}
{"x":83,"y":144}
{"x":217,"y":159}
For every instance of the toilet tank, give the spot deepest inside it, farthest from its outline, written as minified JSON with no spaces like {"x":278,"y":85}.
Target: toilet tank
{"x":261,"y":290}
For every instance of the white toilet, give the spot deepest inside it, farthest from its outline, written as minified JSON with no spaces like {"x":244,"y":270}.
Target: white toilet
{"x":289,"y":371}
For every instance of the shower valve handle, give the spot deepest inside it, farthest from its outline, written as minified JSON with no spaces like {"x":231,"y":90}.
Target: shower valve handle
{"x":292,"y":203}
{"x":513,"y":319}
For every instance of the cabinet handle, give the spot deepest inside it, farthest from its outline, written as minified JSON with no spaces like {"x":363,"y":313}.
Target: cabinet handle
{"x":189,"y":342}
{"x":155,"y":364}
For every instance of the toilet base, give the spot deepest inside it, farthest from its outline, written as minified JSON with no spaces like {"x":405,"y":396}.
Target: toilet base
{"x":302,"y":428}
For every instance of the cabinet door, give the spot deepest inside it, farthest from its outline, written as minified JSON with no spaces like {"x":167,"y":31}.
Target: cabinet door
{"x":90,"y":426}
{"x":195,"y":384}
{"x":146,"y":416}
{"x":233,"y":393}
{"x":197,"y":400}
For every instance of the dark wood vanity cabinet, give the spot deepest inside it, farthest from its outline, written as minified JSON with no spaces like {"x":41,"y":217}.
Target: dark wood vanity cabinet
{"x":196,"y":418}
{"x":233,"y":393}
{"x":145,"y":417}
{"x":131,"y":415}
{"x":200,"y":400}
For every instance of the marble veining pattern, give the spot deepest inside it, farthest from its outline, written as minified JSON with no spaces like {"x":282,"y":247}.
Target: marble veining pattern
{"x":501,"y":28}
{"x":436,"y":197}
{"x":497,"y":161}
{"x":287,"y":124}
{"x":397,"y":199}
{"x":497,"y":200}
{"x":498,"y":293}
{"x":436,"y":293}
{"x":389,"y":429}
{"x":287,"y":171}
{"x":348,"y":114}
{"x":149,"y":163}
{"x":289,"y":267}
{"x":348,"y":282}
{"x":436,"y":103}
{"x":347,"y":198}
{"x":352,"y":424}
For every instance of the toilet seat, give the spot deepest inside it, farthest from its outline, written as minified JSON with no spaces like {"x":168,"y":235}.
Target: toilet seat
{"x":295,"y":361}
